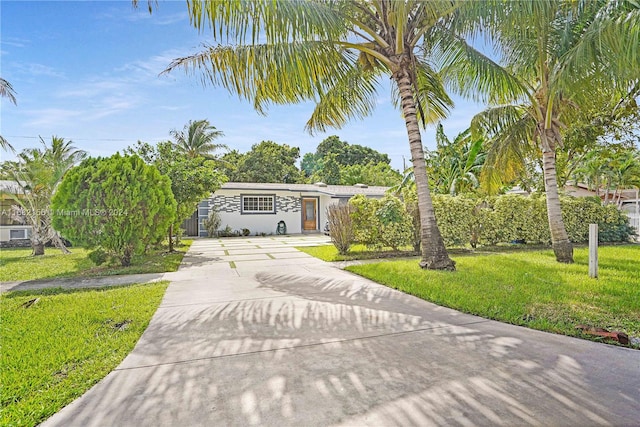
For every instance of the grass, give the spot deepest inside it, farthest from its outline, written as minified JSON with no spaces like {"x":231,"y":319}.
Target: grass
{"x":329,"y":253}
{"x":57,"y":348}
{"x":18,"y":264}
{"x":529,"y":288}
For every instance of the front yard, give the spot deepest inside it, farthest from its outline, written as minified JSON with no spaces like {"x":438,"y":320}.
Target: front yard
{"x":57,"y":344}
{"x":527,"y":288}
{"x":18,"y":264}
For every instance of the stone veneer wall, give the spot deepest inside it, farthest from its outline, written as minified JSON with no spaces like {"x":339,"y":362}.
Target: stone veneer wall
{"x":231,"y":204}
{"x":16,"y":243}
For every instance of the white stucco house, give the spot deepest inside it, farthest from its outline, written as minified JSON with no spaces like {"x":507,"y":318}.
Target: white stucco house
{"x":13,"y":230}
{"x":259,"y":207}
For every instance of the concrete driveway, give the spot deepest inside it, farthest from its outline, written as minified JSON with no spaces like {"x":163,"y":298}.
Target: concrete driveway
{"x":253,"y":332}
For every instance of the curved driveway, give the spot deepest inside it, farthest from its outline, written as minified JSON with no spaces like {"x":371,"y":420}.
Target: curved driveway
{"x":253,"y":332}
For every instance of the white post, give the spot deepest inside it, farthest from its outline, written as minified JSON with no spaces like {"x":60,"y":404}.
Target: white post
{"x":593,"y":251}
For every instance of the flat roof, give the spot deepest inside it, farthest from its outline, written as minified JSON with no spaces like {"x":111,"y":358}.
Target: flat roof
{"x":331,"y":190}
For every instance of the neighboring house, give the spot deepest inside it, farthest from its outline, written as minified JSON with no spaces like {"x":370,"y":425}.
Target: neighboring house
{"x":259,"y":207}
{"x":612,"y":196}
{"x":13,"y":230}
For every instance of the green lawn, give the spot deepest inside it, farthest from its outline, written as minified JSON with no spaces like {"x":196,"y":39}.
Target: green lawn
{"x":57,"y":348}
{"x":329,"y":253}
{"x":529,"y":288}
{"x":18,"y":264}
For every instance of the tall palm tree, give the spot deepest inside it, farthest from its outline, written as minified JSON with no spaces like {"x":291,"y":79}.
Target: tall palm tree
{"x":335,"y":53}
{"x":6,"y":91}
{"x":36,"y":174}
{"x":558,"y":51}
{"x":196,"y":139}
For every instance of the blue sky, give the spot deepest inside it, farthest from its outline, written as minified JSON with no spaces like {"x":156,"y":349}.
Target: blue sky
{"x":89,"y":71}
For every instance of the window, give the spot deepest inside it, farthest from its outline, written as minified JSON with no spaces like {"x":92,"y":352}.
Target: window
{"x":258,"y":204}
{"x":17,"y":234}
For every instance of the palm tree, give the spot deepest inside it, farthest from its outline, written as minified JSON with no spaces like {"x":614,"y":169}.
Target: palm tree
{"x":593,"y":170}
{"x":626,"y":173}
{"x":455,"y":166}
{"x":36,"y":174}
{"x":335,"y":53}
{"x":558,"y":51}
{"x":196,"y":139}
{"x":6,"y":91}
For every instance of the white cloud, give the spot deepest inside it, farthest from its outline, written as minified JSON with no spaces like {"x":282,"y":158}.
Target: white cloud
{"x":34,"y":69}
{"x":15,"y":41}
{"x":51,"y":116}
{"x":92,"y":88}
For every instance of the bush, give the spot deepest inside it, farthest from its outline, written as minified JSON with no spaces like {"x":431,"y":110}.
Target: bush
{"x":514,"y":218}
{"x":227,"y":231}
{"x":212,"y":223}
{"x":396,"y":223}
{"x":410,"y":199}
{"x":341,"y":226}
{"x":454,"y":216}
{"x":98,"y":256}
{"x":118,"y":203}
{"x":366,"y":227}
{"x":381,"y":223}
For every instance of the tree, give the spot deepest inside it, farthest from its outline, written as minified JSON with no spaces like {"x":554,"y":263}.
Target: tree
{"x":370,"y":174}
{"x":269,"y":161}
{"x":6,"y":91}
{"x":36,"y":174}
{"x":192,"y":178}
{"x":229,"y":163}
{"x":345,"y":155}
{"x":279,"y":51}
{"x":559,"y":52}
{"x":196,"y":139}
{"x":608,"y":170}
{"x":329,"y":171}
{"x":118,"y":203}
{"x":454,"y":167}
{"x":603,"y":122}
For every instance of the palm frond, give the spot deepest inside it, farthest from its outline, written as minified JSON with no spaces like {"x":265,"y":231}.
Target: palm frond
{"x":611,"y":41}
{"x":474,"y":75}
{"x":430,"y":95}
{"x":510,"y":130}
{"x":270,"y":73}
{"x":353,"y":96}
{"x":271,"y":21}
{"x":7,"y":91}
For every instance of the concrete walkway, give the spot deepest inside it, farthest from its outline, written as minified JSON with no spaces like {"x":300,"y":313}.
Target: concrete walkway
{"x":253,"y":332}
{"x":80,"y":282}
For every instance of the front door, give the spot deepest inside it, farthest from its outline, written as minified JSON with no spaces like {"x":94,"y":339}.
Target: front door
{"x":309,"y":214}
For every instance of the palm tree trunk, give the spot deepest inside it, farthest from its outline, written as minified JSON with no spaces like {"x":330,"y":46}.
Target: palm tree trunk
{"x":37,"y":243}
{"x":37,"y":249}
{"x":58,"y":243}
{"x":434,"y":253}
{"x":562,"y":246}
{"x":606,"y":194}
{"x":37,"y":236}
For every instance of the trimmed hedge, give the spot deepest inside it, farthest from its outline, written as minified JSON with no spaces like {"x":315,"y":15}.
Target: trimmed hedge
{"x":382,"y":222}
{"x":464,"y":220}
